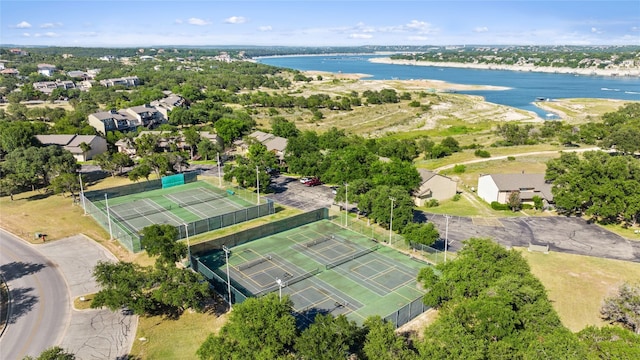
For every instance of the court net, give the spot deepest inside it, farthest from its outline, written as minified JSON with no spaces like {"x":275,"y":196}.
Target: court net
{"x":252,"y":263}
{"x":351,"y":257}
{"x":138,"y":214}
{"x":201,"y":200}
{"x":291,"y":281}
{"x":318,"y":241}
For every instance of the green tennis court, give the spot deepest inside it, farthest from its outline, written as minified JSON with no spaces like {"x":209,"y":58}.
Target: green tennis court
{"x":324,"y":268}
{"x":177,"y":205}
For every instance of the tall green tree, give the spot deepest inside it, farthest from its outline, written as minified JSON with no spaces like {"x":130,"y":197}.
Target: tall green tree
{"x":624,"y":308}
{"x":160,"y":240}
{"x":382,"y":343}
{"x":258,"y":328}
{"x":328,"y":338}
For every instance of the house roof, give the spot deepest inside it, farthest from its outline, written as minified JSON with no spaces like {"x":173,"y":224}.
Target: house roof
{"x":271,"y":141}
{"x":141,"y":109}
{"x":523,"y":182}
{"x":105,"y":115}
{"x":426,"y":175}
{"x":61,"y":140}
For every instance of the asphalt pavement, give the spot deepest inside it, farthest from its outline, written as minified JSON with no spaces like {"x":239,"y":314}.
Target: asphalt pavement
{"x":43,"y":280}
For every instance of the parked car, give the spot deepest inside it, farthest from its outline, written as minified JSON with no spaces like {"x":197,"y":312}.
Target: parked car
{"x":313,"y":182}
{"x":334,"y":190}
{"x":305,"y":180}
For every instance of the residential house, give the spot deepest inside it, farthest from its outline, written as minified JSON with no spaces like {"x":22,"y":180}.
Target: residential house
{"x":113,"y":120}
{"x":10,"y":72}
{"x":146,"y":115}
{"x":165,"y":140}
{"x":168,"y":103}
{"x":46,"y":69}
{"x":273,"y":143}
{"x":47,"y":87}
{"x":124,"y":81}
{"x":498,"y":187}
{"x":434,"y":186}
{"x":96,"y":144}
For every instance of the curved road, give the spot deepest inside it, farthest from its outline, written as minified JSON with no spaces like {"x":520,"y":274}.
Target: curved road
{"x":40,"y":307}
{"x":548,"y":152}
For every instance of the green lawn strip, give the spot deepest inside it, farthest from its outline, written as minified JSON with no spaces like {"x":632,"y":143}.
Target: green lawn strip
{"x":577,"y":284}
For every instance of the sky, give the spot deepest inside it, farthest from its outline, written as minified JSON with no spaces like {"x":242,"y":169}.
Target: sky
{"x":103,"y":23}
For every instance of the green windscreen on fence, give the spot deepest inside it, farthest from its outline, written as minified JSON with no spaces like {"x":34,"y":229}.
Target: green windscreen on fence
{"x":172,"y":180}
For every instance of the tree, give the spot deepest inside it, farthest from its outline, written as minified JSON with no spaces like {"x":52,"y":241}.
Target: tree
{"x":284,"y":128}
{"x":611,"y":342}
{"x":514,"y":201}
{"x":624,"y":308}
{"x":328,"y":338}
{"x":8,"y":186}
{"x":377,"y":204}
{"x":192,"y":138}
{"x":140,"y":171}
{"x":381,"y":342}
{"x":160,"y":241}
{"x":113,"y":163}
{"x":207,"y":149}
{"x":258,"y":328}
{"x":53,"y":353}
{"x":65,"y":183}
{"x":425,"y":234}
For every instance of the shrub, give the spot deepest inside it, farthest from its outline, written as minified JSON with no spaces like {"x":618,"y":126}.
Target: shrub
{"x":497,"y":206}
{"x":482,"y":153}
{"x":459,"y":169}
{"x":456,"y":197}
{"x":414,"y":103}
{"x":432,"y":203}
{"x":526,"y":206}
{"x":511,"y":158}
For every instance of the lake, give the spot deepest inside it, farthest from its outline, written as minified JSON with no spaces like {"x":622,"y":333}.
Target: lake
{"x":525,"y":87}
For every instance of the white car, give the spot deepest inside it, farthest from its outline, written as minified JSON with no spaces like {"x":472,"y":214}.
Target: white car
{"x":305,"y":180}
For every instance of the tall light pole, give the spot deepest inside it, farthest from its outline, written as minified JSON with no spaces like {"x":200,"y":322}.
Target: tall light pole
{"x":258,"y":183}
{"x":279,"y":282}
{"x":186,"y":230}
{"x":106,"y":203}
{"x":346,"y":205}
{"x":84,"y":204}
{"x":446,"y":237}
{"x":219,"y":176}
{"x":226,"y":257}
{"x":391,"y":222}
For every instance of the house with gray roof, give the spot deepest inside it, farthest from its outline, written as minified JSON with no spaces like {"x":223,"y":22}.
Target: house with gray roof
{"x":273,"y":143}
{"x":434,"y":186}
{"x":124,"y":81}
{"x":73,"y":143}
{"x":146,"y":115}
{"x":498,"y":187}
{"x":113,"y":120}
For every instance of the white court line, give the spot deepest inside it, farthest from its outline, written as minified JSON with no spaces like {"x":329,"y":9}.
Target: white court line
{"x":162,"y":210}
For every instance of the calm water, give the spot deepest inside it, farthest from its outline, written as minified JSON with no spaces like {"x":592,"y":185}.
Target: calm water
{"x":525,"y":86}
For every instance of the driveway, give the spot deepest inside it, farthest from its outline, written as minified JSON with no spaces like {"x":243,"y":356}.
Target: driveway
{"x":562,"y":234}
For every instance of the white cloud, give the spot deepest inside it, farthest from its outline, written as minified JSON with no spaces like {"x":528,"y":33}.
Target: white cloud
{"x":481,"y":29}
{"x":51,"y":25}
{"x":178,"y":21}
{"x":596,"y":31}
{"x":236,"y":20}
{"x":265,"y":28}
{"x":47,"y":34}
{"x":360,"y":36}
{"x":23,"y":25}
{"x":26,"y":34}
{"x":197,"y":21}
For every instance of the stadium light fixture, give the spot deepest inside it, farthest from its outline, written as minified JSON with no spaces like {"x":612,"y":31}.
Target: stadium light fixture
{"x":279,"y":282}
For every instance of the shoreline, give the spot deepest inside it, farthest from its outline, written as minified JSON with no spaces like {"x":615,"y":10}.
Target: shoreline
{"x":634,"y":72}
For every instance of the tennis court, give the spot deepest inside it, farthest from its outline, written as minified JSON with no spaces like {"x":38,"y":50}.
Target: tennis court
{"x":324,"y":268}
{"x":177,"y":205}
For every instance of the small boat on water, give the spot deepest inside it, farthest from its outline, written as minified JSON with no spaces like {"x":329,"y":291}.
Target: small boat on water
{"x":540,"y":98}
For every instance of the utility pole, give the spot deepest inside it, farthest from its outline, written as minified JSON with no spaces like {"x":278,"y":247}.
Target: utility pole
{"x":346,"y":205}
{"x":391,"y":222}
{"x":106,"y":202}
{"x":186,"y":230}
{"x":446,"y":237}
{"x":258,"y":184}
{"x":226,"y":256}
{"x":219,"y":176}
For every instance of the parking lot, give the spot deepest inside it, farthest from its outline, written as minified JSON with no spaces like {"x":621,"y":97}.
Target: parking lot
{"x":290,"y":191}
{"x":562,"y":234}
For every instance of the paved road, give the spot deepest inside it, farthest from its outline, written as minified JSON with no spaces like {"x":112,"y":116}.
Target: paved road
{"x":40,"y":306}
{"x":290,"y":192}
{"x":550,"y":152}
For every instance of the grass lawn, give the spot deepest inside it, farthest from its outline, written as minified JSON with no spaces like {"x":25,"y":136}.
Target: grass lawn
{"x":577,"y":284}
{"x":174,"y":339}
